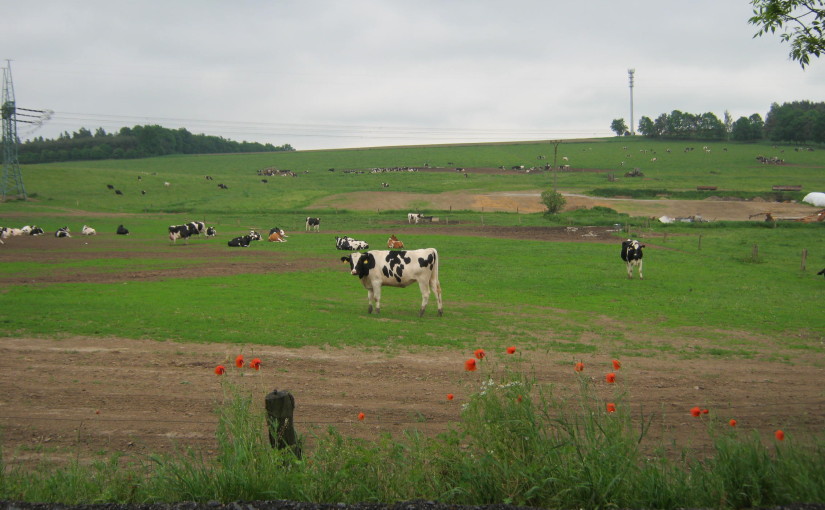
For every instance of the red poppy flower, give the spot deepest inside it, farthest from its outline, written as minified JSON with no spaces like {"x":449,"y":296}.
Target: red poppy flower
{"x":579,"y":367}
{"x":518,"y":399}
{"x":780,"y":436}
{"x":511,"y":350}
{"x":239,"y":361}
{"x":470,"y":365}
{"x":705,"y":411}
{"x":610,"y":378}
{"x":695,"y":412}
{"x":480,"y":353}
{"x":220,"y":370}
{"x":255,"y":363}
{"x":611,"y":407}
{"x":450,"y":396}
{"x":732,"y":422}
{"x":361,"y":416}
{"x":616,"y":364}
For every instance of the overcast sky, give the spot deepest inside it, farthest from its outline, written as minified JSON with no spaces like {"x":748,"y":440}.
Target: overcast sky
{"x":354,"y":73}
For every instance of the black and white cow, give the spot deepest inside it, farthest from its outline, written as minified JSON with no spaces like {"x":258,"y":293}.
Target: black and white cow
{"x":211,"y":232}
{"x":313,"y":224}
{"x":348,"y":243}
{"x":4,"y":234}
{"x":414,"y":217}
{"x":35,"y":231}
{"x":122,"y":231}
{"x":62,"y":232}
{"x":632,"y":255}
{"x":181,"y":232}
{"x":254,"y":236}
{"x":240,"y":242}
{"x":378,"y":268}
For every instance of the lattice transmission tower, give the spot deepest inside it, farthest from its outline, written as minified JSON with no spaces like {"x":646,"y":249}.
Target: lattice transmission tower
{"x":12,"y":183}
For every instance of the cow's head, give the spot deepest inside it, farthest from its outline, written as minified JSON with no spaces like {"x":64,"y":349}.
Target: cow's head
{"x":359,"y":263}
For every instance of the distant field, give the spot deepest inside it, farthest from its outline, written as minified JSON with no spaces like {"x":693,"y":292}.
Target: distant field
{"x":83,"y":185}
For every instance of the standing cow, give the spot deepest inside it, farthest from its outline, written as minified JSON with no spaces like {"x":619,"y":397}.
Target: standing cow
{"x":632,"y":255}
{"x":378,"y":268}
{"x":313,"y":224}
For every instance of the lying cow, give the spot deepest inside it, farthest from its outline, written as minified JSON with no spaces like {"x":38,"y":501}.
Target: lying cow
{"x":348,"y":243}
{"x":88,"y":231}
{"x":254,"y":236}
{"x":240,"y":242}
{"x":122,"y":231}
{"x":278,"y":230}
{"x":211,"y":232}
{"x":313,"y":224}
{"x":632,"y":255}
{"x":275,"y":236}
{"x":394,"y":244}
{"x":62,"y":232}
{"x":397,"y":269}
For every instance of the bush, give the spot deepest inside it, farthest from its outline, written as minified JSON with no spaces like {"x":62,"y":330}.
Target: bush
{"x":554,"y":202}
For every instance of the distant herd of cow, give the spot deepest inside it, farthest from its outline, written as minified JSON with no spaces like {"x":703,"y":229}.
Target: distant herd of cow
{"x":395,"y":267}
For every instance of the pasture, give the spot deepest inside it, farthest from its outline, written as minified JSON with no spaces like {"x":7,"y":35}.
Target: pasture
{"x":109,"y":343}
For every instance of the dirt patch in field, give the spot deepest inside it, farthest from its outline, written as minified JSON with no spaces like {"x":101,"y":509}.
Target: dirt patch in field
{"x":711,"y":209}
{"x":67,"y":397}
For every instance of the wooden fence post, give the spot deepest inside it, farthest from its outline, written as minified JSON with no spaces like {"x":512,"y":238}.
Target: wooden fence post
{"x":755,"y":253}
{"x":700,"y":242}
{"x":279,"y":409}
{"x":804,"y":257}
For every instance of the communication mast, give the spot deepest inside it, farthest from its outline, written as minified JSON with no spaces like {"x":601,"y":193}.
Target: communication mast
{"x":630,"y":73}
{"x":12,"y":181}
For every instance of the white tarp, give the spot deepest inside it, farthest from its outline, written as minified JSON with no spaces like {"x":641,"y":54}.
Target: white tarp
{"x":816,"y":198}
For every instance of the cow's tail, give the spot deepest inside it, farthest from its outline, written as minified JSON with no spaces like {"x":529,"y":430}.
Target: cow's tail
{"x":435,"y":283}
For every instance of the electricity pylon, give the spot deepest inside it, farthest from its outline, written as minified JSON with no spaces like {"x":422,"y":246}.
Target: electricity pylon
{"x":12,"y":182}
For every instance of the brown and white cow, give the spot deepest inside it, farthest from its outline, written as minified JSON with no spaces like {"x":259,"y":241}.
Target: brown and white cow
{"x":394,"y":244}
{"x":378,"y":268}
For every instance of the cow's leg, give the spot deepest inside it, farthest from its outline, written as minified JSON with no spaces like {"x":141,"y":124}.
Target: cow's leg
{"x":425,"y":295}
{"x":436,"y":286}
{"x":376,"y":297}
{"x":369,"y":300}
{"x":641,"y":277}
{"x":629,"y":270}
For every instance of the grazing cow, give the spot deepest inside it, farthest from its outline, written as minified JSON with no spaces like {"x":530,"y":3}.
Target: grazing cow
{"x":348,"y":243}
{"x":313,"y":224}
{"x":821,"y":272}
{"x":394,"y":244}
{"x":62,"y":232}
{"x":181,"y":231}
{"x":397,"y":269}
{"x":632,"y":255}
{"x":240,"y":242}
{"x":414,"y":217}
{"x":88,"y":231}
{"x":122,"y":231}
{"x":211,"y":232}
{"x":109,"y":186}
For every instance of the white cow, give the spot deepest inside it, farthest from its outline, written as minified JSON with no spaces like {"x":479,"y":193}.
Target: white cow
{"x":378,"y":268}
{"x":414,"y":217}
{"x":88,"y":231}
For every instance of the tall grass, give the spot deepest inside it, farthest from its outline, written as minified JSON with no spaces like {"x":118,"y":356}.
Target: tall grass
{"x":518,"y":442}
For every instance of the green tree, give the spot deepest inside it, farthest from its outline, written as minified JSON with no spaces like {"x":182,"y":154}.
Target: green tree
{"x":553,"y":201}
{"x":619,"y":127}
{"x":647,"y":127}
{"x":800,"y":22}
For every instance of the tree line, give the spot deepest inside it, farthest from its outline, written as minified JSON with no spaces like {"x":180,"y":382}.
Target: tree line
{"x":799,"y":121}
{"x":132,"y":143}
